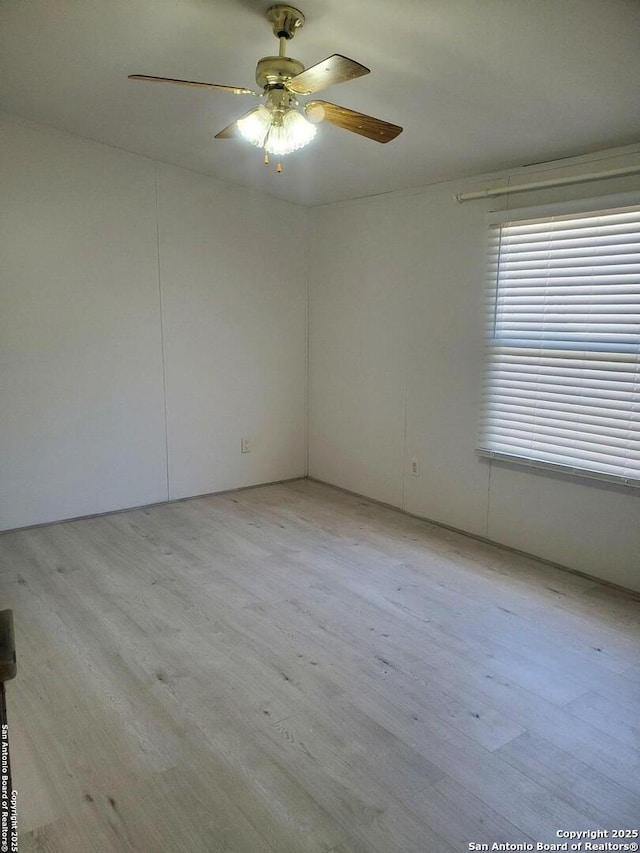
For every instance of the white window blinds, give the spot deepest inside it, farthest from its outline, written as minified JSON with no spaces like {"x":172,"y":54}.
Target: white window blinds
{"x":563,"y":381}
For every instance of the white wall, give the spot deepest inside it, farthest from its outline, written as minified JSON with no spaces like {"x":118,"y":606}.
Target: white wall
{"x":86,"y":265}
{"x":358,"y":279}
{"x":396,"y":361}
{"x":146,"y":316}
{"x":233,"y":273}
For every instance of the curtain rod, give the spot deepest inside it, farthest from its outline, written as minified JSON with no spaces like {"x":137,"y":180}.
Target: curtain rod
{"x":494,"y":192}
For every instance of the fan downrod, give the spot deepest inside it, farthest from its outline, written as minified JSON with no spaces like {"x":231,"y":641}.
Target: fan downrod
{"x":285,"y":20}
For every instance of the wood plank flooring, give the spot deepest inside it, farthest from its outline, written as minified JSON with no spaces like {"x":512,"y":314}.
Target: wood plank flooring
{"x":292,"y":669}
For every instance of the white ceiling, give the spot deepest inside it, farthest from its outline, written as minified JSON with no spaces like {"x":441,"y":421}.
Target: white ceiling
{"x":478,"y":85}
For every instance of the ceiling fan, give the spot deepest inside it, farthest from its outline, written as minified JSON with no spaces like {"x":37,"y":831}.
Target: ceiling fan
{"x":278,"y":125}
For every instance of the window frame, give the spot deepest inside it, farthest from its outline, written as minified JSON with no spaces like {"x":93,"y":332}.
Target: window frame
{"x":493,"y":221}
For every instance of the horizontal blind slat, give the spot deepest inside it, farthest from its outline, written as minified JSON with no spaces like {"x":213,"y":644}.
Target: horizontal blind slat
{"x":594,"y":453}
{"x":565,"y":437}
{"x":561,"y":404}
{"x":631,"y":289}
{"x":575,"y":465}
{"x":561,"y":356}
{"x":624,"y":245}
{"x":594,"y":425}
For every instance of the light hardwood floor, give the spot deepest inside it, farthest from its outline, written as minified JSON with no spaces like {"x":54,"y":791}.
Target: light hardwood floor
{"x":292,"y":669}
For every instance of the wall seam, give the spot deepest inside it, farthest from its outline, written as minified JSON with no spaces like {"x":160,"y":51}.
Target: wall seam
{"x":307,"y":276}
{"x":162,"y":342}
{"x":403,"y":470}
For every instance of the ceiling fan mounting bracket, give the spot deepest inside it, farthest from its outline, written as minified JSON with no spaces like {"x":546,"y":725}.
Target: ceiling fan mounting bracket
{"x":285,"y":20}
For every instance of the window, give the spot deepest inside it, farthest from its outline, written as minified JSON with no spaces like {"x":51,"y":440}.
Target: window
{"x":563,"y":379}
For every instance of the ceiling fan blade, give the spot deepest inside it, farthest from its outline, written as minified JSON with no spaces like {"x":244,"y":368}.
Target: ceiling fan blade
{"x":334,"y":69}
{"x":232,"y":131}
{"x":372,"y":128}
{"x":236,"y":90}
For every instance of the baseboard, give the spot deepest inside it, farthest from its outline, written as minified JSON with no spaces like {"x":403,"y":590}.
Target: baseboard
{"x":148,"y":506}
{"x":626,"y":590}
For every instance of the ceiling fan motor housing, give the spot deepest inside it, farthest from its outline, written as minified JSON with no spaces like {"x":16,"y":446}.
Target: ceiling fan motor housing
{"x":276,"y":70}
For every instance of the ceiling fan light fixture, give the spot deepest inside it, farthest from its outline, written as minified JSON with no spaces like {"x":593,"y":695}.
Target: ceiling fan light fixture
{"x":292,"y":133}
{"x":278,"y":133}
{"x":278,"y":126}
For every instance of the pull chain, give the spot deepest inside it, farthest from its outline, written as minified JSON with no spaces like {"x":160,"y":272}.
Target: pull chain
{"x":266,"y":163}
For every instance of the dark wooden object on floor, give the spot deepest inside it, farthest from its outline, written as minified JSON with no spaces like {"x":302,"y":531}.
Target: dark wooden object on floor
{"x":7,"y":670}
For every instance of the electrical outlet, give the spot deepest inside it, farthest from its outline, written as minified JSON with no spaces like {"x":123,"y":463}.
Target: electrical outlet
{"x":415,"y":468}
{"x":245,"y":446}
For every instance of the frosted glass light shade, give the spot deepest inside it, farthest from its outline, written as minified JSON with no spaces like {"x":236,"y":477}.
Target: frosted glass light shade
{"x":293,"y":132}
{"x":255,"y":126}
